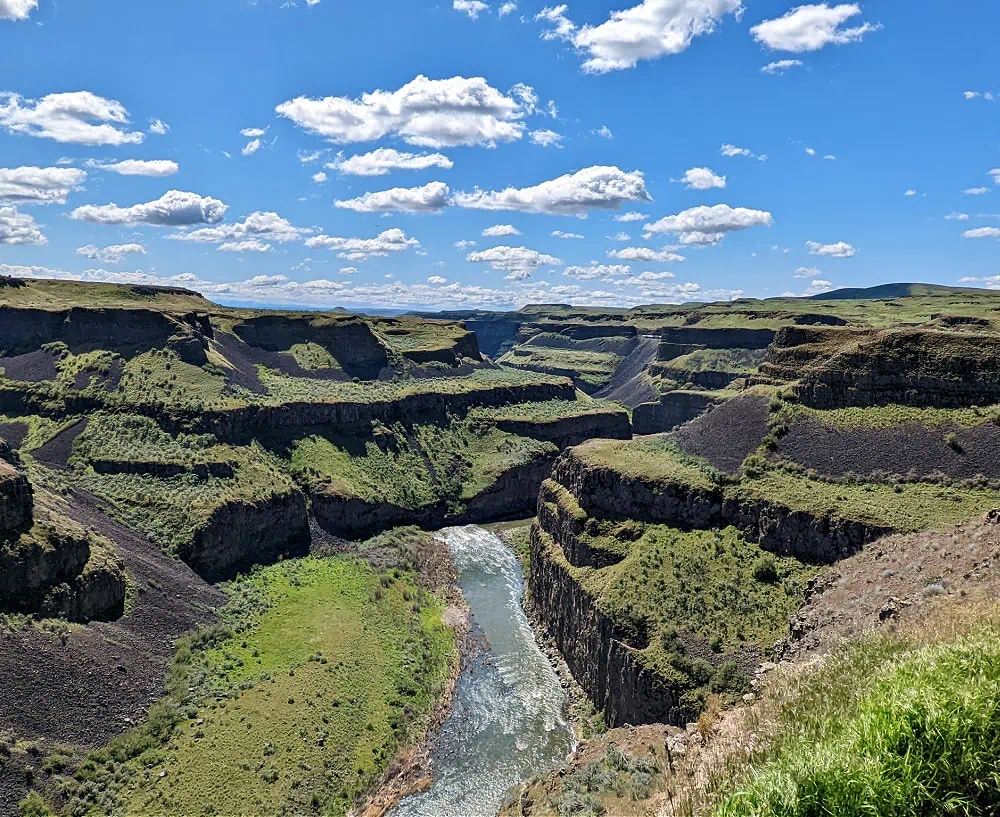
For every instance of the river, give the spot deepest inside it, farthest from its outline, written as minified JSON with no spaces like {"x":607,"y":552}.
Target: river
{"x":508,"y":719}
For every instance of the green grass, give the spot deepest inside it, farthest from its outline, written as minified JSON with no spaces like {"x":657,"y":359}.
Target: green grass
{"x":549,"y":411}
{"x":739,"y":361}
{"x":129,"y":437}
{"x":321,"y":671}
{"x":411,"y":466}
{"x":591,"y":369}
{"x":886,"y":729}
{"x":893,"y":416}
{"x":651,"y":458}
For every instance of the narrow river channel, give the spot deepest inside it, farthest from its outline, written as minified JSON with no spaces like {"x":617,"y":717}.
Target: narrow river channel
{"x":508,"y":719}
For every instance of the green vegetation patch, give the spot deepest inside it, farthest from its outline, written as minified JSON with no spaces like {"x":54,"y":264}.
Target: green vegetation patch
{"x":549,"y":411}
{"x":893,"y":416}
{"x":737,"y":361}
{"x":889,"y":731}
{"x":590,"y":369}
{"x":321,"y":671}
{"x":133,"y":438}
{"x":651,"y":458}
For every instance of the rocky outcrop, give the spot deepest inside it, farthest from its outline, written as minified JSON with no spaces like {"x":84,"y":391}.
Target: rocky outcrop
{"x":494,"y":336}
{"x":15,"y":498}
{"x":667,"y":351}
{"x":347,"y":338}
{"x":165,"y":470}
{"x":705,"y":379}
{"x":673,"y":409}
{"x":96,"y":594}
{"x":512,"y":495}
{"x":568,"y":431}
{"x":717,"y":338}
{"x":240,"y":533}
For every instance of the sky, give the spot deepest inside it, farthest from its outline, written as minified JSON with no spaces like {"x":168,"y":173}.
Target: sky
{"x":473,"y":154}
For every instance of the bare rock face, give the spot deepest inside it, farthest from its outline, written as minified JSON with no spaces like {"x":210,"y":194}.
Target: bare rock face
{"x":15,"y":498}
{"x":673,"y":409}
{"x":694,"y":336}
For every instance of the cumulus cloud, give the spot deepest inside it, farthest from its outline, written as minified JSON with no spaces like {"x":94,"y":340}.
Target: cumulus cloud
{"x":79,"y":117}
{"x":817,"y":287}
{"x":910,"y":193}
{"x":547,"y":138}
{"x":995,"y":173}
{"x":431,"y":198}
{"x":645,"y":255}
{"x":648,"y":31}
{"x":982,"y":232}
{"x":424,"y":112}
{"x":251,"y":147}
{"x":732,"y":150}
{"x":597,"y":272}
{"x":253,"y":133}
{"x":19,"y":228}
{"x":517,"y":262}
{"x":174,"y":208}
{"x":808,"y":272}
{"x":561,"y":234}
{"x":620,"y":237}
{"x":957,"y":217}
{"x":158,"y":127}
{"x":976,"y":191}
{"x":464,"y":244}
{"x":113,"y":254}
{"x":779,"y":67}
{"x":630,"y":217}
{"x":604,"y":132}
{"x":437,"y":280}
{"x":839,"y":250}
{"x":308,"y":156}
{"x":249,"y":245}
{"x":39,"y":185}
{"x":320,"y":178}
{"x":348,"y":270}
{"x":473,"y":8}
{"x":988,"y":281}
{"x":709,"y":225}
{"x":260,"y":225}
{"x":507,"y":8}
{"x":137,"y":167}
{"x":361,"y":249}
{"x":810,"y":28}
{"x":498,"y":230}
{"x":702,"y":178}
{"x":593,"y":188}
{"x":17,"y":10}
{"x":383,"y":161}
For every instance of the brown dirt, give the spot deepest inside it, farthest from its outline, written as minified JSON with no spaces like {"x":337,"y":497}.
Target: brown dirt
{"x":57,"y":451}
{"x":895,"y":579}
{"x":101,"y":681}
{"x":14,"y":434}
{"x":35,"y":367}
{"x":726,"y":435}
{"x":902,"y":450}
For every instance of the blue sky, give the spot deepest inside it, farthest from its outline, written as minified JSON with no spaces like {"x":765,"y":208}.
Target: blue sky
{"x":219,"y":145}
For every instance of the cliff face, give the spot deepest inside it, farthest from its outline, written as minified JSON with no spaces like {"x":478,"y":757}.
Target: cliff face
{"x":15,"y":498}
{"x":240,"y":534}
{"x":718,"y":338}
{"x":673,"y":409}
{"x":568,"y":431}
{"x":492,"y":335}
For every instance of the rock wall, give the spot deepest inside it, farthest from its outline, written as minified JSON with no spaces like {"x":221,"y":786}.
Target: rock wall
{"x":15,"y":499}
{"x":241,"y":533}
{"x":673,"y":409}
{"x":494,"y":335}
{"x":568,"y":431}
{"x":717,"y":338}
{"x":705,"y":379}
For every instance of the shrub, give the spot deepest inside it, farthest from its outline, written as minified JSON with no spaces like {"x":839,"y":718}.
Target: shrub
{"x":765,"y":569}
{"x":951,"y":440}
{"x":34,"y":806}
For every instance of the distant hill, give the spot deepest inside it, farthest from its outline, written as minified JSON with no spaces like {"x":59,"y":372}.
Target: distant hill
{"x":888,"y":291}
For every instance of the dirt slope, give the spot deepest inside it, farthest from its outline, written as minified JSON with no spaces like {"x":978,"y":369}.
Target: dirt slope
{"x":629,"y":385}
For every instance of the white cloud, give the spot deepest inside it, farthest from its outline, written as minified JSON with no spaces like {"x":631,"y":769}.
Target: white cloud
{"x":780,"y":67}
{"x":995,"y":173}
{"x":732,"y":150}
{"x":652,"y":29}
{"x":547,"y":138}
{"x":957,"y":217}
{"x":348,"y":270}
{"x":971,"y":94}
{"x":982,"y":232}
{"x":80,"y":118}
{"x":604,"y":132}
{"x":561,"y":234}
{"x":645,"y":255}
{"x":383,"y":161}
{"x":464,"y":244}
{"x":620,"y":237}
{"x":629,"y":217}
{"x":507,"y":8}
{"x":158,"y":127}
{"x":709,"y":225}
{"x":811,"y":151}
{"x":598,"y":188}
{"x":113,"y":254}
{"x":473,"y":8}
{"x":910,"y":193}
{"x":829,"y":157}
{"x":810,"y":28}
{"x":425,"y":112}
{"x":518,"y":262}
{"x":808,"y":272}
{"x":437,"y":280}
{"x":17,"y":9}
{"x":173,"y":209}
{"x":702,"y":178}
{"x":596,"y":272}
{"x":817,"y":287}
{"x":840,"y":249}
{"x":319,"y":178}
{"x":253,"y":133}
{"x":39,"y":185}
{"x":988,"y":281}
{"x":250,"y":245}
{"x":431,"y":198}
{"x":137,"y":167}
{"x":251,"y":147}
{"x":361,"y":249}
{"x":308,"y":156}
{"x":269,"y":226}
{"x":18,"y":228}
{"x":498,"y":230}
{"x":976,"y":191}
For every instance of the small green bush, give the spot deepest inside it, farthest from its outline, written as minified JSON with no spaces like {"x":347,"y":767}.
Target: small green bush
{"x":765,"y":569}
